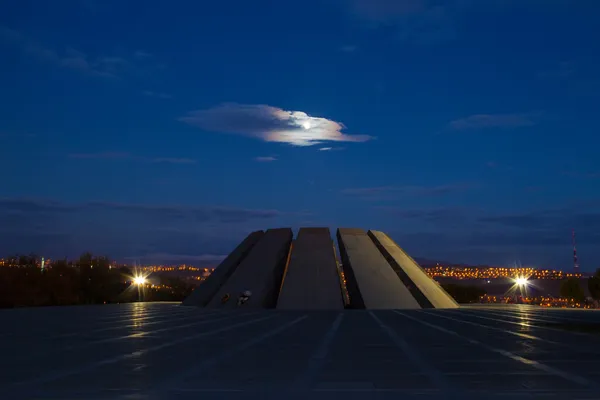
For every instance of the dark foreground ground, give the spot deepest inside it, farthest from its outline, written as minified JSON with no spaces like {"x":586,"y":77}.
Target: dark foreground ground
{"x":165,"y":351}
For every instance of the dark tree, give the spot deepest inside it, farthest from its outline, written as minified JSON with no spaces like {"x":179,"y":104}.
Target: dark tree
{"x":88,"y":280}
{"x":594,"y":285}
{"x":571,"y":289}
{"x":463,"y":294}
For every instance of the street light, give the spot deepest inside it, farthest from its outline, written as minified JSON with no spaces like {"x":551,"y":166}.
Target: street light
{"x":521,"y":281}
{"x":139,"y":280}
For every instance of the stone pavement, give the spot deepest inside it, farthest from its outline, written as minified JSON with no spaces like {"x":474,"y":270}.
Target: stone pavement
{"x":165,"y":351}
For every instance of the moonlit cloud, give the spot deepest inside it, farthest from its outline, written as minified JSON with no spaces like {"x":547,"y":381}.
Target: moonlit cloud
{"x":270,"y":124}
{"x":265,"y":159}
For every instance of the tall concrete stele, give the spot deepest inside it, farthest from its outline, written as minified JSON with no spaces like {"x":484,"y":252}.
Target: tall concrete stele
{"x":372,"y":272}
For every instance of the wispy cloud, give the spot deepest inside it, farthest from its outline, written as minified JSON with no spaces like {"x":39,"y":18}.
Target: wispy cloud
{"x":387,"y":10}
{"x":131,"y":157}
{"x":103,"y":155}
{"x":159,"y":95}
{"x":420,"y":22}
{"x":265,"y":159}
{"x":17,"y":135}
{"x":171,"y":160}
{"x":270,"y":124}
{"x":561,"y":70}
{"x":120,"y":230}
{"x":142,"y":54}
{"x":69,"y":58}
{"x":407,"y":190}
{"x":488,"y":121}
{"x":348,"y":48}
{"x":581,"y":175}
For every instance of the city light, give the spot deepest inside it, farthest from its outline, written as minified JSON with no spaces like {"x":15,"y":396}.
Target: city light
{"x":489,"y":273}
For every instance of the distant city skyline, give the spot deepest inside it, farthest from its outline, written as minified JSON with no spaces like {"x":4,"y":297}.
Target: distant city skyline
{"x":466,"y":130}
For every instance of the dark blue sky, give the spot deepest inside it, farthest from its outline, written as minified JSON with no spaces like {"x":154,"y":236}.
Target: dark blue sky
{"x":165,"y":131}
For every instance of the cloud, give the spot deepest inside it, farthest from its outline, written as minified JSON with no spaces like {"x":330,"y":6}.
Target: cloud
{"x":69,"y":58}
{"x":541,"y":237}
{"x":131,"y":157}
{"x":270,"y":124}
{"x":17,"y":135}
{"x":387,"y":10}
{"x":544,"y":222}
{"x":561,"y":70}
{"x":337,"y":148}
{"x":407,"y":190}
{"x":265,"y":159}
{"x":150,"y":93}
{"x":487,"y":121}
{"x":348,"y":48}
{"x":581,"y":175}
{"x":103,"y":155}
{"x":142,"y":54}
{"x":58,"y":228}
{"x":420,"y":22}
{"x":174,"y":160}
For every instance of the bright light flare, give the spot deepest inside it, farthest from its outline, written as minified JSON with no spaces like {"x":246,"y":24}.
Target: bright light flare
{"x":521,"y":281}
{"x":139,"y":280}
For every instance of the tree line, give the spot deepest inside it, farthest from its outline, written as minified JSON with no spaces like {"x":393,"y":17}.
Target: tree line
{"x":88,"y":280}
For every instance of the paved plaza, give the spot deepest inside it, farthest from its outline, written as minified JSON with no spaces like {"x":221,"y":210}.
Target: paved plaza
{"x":166,"y":351}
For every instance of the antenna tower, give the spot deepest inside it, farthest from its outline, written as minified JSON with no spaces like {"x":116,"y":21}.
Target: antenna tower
{"x":575,"y":263}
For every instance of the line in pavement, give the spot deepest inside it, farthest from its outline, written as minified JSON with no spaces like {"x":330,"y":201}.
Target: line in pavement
{"x":107,"y":361}
{"x":535,"y":364}
{"x":131,"y":336}
{"x":435,"y":376}
{"x":527,"y":324}
{"x":133,"y":325}
{"x":527,"y":315}
{"x":519,"y":334}
{"x":544,"y":316}
{"x":317,"y":360}
{"x":99,"y":327}
{"x":211,"y":361}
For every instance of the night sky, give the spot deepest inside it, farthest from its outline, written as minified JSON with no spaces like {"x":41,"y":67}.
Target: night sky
{"x":165,"y":131}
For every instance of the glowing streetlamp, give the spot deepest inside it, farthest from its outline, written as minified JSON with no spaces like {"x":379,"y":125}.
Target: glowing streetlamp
{"x":521,"y":282}
{"x":139,"y":280}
